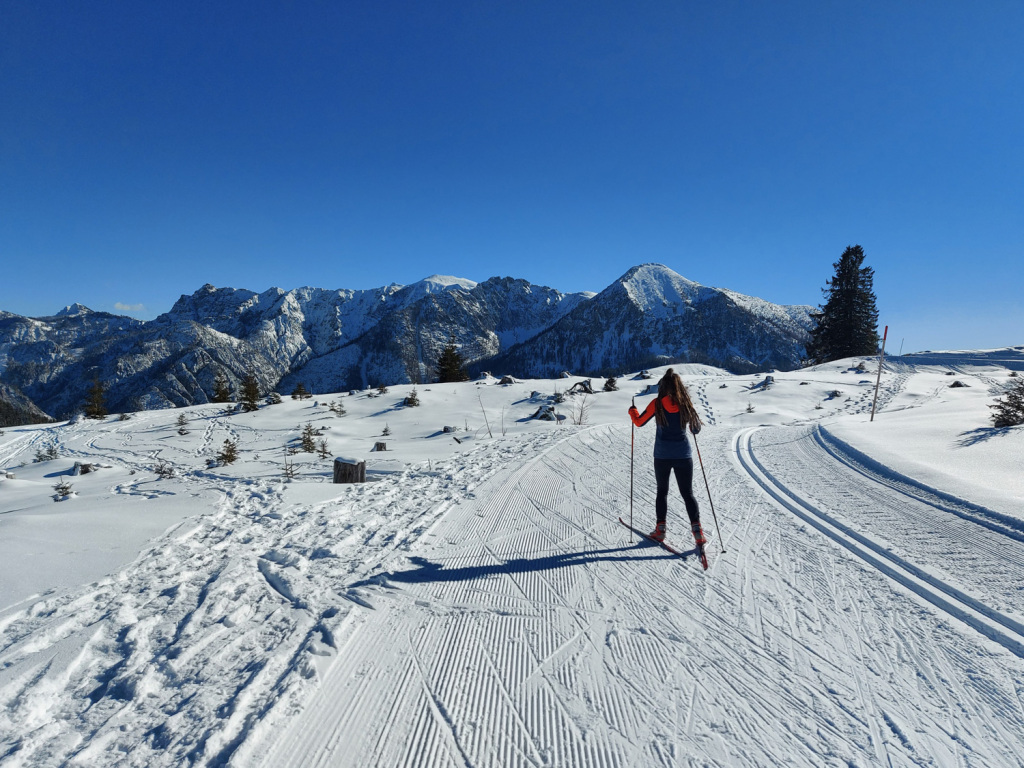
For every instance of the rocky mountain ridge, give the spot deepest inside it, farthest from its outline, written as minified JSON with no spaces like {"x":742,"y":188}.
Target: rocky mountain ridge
{"x":335,"y":340}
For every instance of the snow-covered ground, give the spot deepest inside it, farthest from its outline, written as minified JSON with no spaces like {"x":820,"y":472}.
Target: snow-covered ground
{"x":477,"y":603}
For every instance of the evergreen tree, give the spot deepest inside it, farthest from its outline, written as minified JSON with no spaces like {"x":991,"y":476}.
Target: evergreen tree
{"x":221,"y":388}
{"x":322,"y":450}
{"x":308,"y":440}
{"x":250,"y":399}
{"x":229,"y":452}
{"x":1009,"y":412}
{"x":450,"y":364}
{"x":95,"y":404}
{"x":847,"y":324}
{"x":300,"y":392}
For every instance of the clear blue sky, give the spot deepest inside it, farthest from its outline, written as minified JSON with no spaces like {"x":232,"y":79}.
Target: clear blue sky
{"x":148,"y":148}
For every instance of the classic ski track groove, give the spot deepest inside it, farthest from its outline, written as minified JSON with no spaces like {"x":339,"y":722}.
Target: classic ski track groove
{"x":992,"y":623}
{"x":524,"y":661}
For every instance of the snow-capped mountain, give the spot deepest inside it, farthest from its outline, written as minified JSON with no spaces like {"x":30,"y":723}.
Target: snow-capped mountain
{"x":652,"y":316}
{"x":334,"y":340}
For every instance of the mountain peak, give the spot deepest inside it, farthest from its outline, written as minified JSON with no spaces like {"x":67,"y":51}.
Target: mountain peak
{"x":433,"y":284}
{"x":651,"y":285}
{"x":74,"y":310}
{"x":447,"y":281}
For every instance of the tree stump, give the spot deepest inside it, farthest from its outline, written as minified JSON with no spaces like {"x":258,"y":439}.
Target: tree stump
{"x":349,"y":471}
{"x":380,"y":446}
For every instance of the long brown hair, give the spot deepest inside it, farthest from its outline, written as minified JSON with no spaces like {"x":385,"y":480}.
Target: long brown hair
{"x":672,"y":386}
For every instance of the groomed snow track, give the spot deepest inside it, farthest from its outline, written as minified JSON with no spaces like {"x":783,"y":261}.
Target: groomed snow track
{"x":992,"y":623}
{"x":491,"y":612}
{"x":528,"y":630}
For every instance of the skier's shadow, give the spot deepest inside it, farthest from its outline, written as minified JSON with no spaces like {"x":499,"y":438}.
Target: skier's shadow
{"x":427,"y":571}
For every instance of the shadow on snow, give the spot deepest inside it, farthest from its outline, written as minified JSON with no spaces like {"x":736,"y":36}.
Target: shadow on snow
{"x":427,"y":571}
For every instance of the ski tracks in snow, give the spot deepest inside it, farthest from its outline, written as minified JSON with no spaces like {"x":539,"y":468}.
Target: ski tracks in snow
{"x":527,"y":630}
{"x":223,"y":624}
{"x":494,"y":613}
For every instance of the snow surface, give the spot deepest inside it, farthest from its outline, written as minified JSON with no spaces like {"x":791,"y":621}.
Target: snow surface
{"x":477,"y":603}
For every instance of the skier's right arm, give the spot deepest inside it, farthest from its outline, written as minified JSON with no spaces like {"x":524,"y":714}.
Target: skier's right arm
{"x":642,"y":418}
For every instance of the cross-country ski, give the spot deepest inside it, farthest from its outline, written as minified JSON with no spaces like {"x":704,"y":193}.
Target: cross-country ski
{"x":665,"y":545}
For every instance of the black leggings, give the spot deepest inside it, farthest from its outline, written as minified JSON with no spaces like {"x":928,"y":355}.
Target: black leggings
{"x":684,"y":476}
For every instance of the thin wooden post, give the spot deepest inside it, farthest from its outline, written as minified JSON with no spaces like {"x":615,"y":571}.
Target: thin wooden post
{"x":878,"y":381}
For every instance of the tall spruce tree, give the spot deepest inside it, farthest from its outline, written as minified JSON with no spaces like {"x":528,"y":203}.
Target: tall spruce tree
{"x":450,"y":364}
{"x":221,"y":389}
{"x":250,"y":400}
{"x":847,"y":323}
{"x":95,"y":402}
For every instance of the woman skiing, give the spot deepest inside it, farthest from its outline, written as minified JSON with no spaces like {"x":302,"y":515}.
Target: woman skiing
{"x":672,"y":409}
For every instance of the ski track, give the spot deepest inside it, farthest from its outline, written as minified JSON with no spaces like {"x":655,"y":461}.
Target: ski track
{"x":494,"y":613}
{"x":527,"y":630}
{"x":222,"y":623}
{"x":957,"y":547}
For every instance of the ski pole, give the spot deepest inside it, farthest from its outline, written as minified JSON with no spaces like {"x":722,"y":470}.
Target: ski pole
{"x":713,"y":515}
{"x":632,"y":439}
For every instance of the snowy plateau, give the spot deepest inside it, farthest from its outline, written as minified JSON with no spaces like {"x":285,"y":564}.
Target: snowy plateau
{"x":477,"y":603}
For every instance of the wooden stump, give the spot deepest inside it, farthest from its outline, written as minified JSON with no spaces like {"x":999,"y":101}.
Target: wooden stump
{"x":380,"y":446}
{"x":349,"y":471}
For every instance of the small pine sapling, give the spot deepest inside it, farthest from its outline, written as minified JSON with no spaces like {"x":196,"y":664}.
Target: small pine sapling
{"x":300,"y":392}
{"x":61,"y":490}
{"x":308,"y":441}
{"x":750,"y":408}
{"x":289,"y":470}
{"x":413,"y":399}
{"x":611,"y":384}
{"x":386,"y":431}
{"x":322,"y":450}
{"x":382,"y":389}
{"x":47,"y":454}
{"x":228,"y":452}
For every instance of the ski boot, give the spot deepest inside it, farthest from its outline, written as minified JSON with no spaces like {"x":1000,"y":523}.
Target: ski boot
{"x":698,"y":535}
{"x":658,"y":534}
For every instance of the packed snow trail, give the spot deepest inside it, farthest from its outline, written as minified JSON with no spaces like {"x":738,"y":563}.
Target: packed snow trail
{"x":180,"y":656}
{"x":962,"y":544}
{"x":524,"y":629}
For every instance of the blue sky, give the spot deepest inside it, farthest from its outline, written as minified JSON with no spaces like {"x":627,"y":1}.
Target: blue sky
{"x":149,"y":148}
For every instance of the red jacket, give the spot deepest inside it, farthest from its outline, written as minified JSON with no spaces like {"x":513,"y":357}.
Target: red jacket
{"x":642,"y":418}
